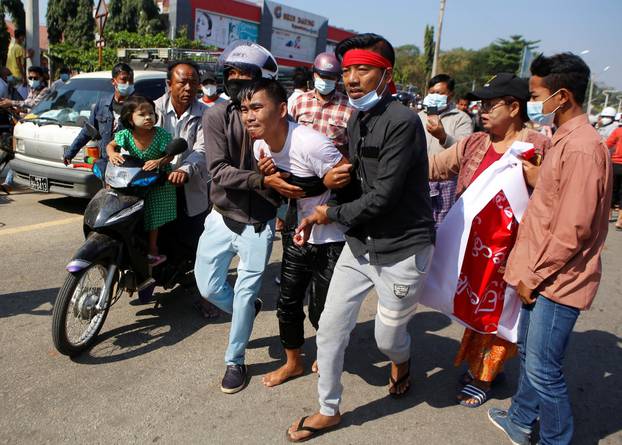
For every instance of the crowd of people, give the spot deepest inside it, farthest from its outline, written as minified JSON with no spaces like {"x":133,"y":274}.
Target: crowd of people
{"x":361,"y":183}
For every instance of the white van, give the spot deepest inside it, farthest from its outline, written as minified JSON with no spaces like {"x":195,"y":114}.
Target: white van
{"x":40,"y":141}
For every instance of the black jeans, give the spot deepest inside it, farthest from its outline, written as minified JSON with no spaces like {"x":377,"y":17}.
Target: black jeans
{"x":616,"y":195}
{"x":310,"y":266}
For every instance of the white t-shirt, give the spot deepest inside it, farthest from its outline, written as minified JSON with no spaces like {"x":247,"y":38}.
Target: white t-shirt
{"x":307,"y":153}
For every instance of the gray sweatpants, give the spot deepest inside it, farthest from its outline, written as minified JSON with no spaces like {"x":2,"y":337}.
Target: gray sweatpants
{"x":398,"y":286}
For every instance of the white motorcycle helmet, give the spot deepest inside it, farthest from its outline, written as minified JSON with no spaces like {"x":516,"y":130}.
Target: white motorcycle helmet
{"x":249,"y":57}
{"x":607,"y":115}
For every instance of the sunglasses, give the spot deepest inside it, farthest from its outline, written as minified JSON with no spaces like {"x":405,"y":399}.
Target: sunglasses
{"x":33,"y":78}
{"x":487,"y":107}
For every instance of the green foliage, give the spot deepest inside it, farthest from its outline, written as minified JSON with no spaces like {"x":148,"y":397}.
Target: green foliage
{"x":14,"y":8}
{"x":149,"y":20}
{"x":86,"y":59}
{"x":71,"y":21}
{"x":504,"y":55}
{"x":79,"y":30}
{"x":428,"y":48}
{"x":468,"y":67}
{"x":134,"y":16}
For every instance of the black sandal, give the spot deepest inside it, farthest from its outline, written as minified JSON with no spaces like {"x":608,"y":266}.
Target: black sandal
{"x":301,"y":427}
{"x":396,"y":383}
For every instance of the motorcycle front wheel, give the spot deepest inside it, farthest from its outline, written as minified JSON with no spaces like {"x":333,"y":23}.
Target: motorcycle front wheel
{"x":76,"y":321}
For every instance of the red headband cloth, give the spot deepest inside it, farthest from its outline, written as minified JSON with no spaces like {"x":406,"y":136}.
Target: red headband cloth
{"x":366,"y":57}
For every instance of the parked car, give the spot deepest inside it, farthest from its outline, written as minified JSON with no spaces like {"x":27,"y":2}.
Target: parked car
{"x":41,"y":138}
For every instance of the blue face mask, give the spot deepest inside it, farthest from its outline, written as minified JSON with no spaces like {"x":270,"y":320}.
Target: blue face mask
{"x":535,"y":111}
{"x":34,"y":84}
{"x":324,"y":86}
{"x":64,"y":77}
{"x":368,"y":101}
{"x":435,"y":100}
{"x":10,"y":79}
{"x":125,"y":89}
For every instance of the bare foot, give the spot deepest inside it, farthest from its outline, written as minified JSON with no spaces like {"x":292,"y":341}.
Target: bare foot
{"x":282,"y":374}
{"x":399,"y":383}
{"x":207,"y":309}
{"x":316,"y":421}
{"x":314,"y":368}
{"x":470,"y":400}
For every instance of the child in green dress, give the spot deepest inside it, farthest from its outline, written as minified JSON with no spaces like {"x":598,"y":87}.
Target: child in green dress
{"x":143,"y":140}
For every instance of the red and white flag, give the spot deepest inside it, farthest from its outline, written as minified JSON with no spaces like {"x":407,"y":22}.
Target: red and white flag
{"x":464,"y":280}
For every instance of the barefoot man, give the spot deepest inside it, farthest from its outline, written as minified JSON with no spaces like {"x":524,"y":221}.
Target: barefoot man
{"x":305,"y":156}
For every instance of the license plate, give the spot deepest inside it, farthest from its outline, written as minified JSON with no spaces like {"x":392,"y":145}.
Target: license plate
{"x":39,"y":183}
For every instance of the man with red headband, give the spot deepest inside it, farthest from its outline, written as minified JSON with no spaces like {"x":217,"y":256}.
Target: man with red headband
{"x":390,"y":229}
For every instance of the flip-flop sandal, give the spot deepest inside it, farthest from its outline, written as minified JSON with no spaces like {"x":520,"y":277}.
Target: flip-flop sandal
{"x":315,"y":432}
{"x":474,"y":393}
{"x":396,"y":383}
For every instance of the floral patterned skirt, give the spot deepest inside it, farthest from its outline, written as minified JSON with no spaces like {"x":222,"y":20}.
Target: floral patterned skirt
{"x":485,"y":354}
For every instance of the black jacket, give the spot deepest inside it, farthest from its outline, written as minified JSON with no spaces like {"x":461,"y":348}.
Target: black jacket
{"x":392,"y":218}
{"x":236,"y":189}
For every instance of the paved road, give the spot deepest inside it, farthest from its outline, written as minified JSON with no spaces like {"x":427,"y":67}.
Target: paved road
{"x":155,"y":374}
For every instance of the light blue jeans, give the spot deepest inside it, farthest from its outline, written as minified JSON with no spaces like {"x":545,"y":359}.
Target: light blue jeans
{"x":9,"y":177}
{"x":217,"y":247}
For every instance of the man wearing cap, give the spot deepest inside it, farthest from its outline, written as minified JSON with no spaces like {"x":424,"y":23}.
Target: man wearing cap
{"x":444,"y":126}
{"x":209,"y":87}
{"x":390,"y":230}
{"x":324,"y":108}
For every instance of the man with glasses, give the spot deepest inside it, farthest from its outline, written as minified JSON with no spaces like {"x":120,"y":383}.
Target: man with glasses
{"x":37,"y":90}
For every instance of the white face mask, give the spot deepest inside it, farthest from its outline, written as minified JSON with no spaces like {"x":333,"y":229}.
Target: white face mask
{"x":368,"y":101}
{"x":209,"y":90}
{"x":324,"y":86}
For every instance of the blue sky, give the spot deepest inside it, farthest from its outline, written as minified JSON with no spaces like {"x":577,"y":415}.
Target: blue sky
{"x":561,"y":25}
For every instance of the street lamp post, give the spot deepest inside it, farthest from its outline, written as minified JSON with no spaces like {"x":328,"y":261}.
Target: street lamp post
{"x":591,"y":89}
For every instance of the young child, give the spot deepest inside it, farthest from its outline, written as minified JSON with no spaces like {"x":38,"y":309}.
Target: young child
{"x":143,"y":140}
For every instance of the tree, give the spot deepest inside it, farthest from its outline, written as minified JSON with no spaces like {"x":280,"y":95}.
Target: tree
{"x":135,"y":16}
{"x":80,"y":29}
{"x":123,"y":16}
{"x":56,"y":17}
{"x":15,"y":9}
{"x":149,"y":21}
{"x":71,"y":21}
{"x":504,"y":56}
{"x":428,"y":49}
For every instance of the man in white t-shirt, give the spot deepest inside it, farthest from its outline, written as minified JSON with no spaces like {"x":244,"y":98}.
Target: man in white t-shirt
{"x":303,"y":156}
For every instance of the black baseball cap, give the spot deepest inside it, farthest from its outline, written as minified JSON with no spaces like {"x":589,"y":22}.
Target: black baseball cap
{"x":503,"y":84}
{"x":208,"y":77}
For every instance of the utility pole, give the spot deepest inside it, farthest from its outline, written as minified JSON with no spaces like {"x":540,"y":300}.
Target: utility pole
{"x":437,"y":44}
{"x":32,"y":31}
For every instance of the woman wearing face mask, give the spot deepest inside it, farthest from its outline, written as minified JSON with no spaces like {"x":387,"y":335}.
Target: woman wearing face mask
{"x":210,"y":90}
{"x":504,"y":114}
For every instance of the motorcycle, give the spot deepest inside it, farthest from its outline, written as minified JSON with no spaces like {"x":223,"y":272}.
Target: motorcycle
{"x":113,"y":257}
